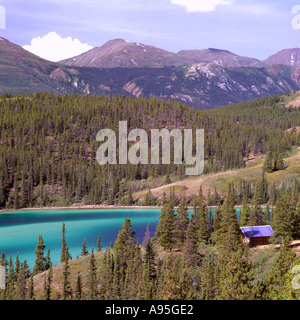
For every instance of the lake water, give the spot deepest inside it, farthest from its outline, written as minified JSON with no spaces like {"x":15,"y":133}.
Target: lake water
{"x":19,"y":230}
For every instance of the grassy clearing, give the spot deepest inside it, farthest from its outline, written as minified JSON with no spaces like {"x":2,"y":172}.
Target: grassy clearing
{"x":220,"y":180}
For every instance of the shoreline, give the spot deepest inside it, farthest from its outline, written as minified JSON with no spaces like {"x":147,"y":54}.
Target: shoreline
{"x":98,"y":207}
{"x":78,"y":207}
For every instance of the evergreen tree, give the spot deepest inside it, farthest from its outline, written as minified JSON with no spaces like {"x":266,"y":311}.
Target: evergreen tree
{"x":150,"y":259}
{"x":266,"y":215}
{"x":261,"y":191}
{"x":30,"y":291}
{"x":40,"y":259}
{"x":268,"y":164}
{"x":209,"y":279}
{"x":67,"y":291}
{"x":256,"y":216}
{"x":124,"y":245}
{"x":21,"y":284}
{"x":203,"y":234}
{"x":146,"y":236}
{"x":130,"y":200}
{"x":278,"y":162}
{"x":84,"y":250}
{"x":283,"y":219}
{"x":165,"y":227}
{"x":99,"y":244}
{"x":181,"y":224}
{"x":273,"y":194}
{"x":63,"y":254}
{"x":48,"y":260}
{"x":296,"y":229}
{"x":236,"y":277}
{"x":92,"y":278}
{"x":149,"y":199}
{"x":191,"y":257}
{"x":289,"y":290}
{"x":78,"y":288}
{"x":10,"y":283}
{"x":47,"y":284}
{"x":16,"y":188}
{"x":216,"y":198}
{"x":229,"y":236}
{"x":276,"y":278}
{"x":216,"y":225}
{"x":245,"y":216}
{"x":167,"y":178}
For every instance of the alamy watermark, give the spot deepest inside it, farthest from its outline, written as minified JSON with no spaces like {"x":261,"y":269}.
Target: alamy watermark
{"x":296,"y":19}
{"x":2,"y":277}
{"x":139,"y":152}
{"x":295,"y":280}
{"x":2,"y":17}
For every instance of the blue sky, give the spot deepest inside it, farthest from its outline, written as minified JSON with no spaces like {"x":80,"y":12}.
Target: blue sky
{"x":256,"y":28}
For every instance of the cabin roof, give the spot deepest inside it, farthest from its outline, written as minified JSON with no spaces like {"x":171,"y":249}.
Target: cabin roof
{"x":257,"y":231}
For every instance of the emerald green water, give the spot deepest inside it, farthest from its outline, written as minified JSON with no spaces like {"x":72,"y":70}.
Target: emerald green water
{"x":19,"y":230}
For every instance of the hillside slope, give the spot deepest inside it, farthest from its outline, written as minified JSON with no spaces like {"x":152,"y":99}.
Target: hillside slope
{"x":220,"y":180}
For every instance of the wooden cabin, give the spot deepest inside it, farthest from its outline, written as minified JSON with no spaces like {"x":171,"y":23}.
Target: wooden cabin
{"x":257,"y":235}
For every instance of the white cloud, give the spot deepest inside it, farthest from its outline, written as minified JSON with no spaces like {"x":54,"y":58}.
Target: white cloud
{"x":54,"y":48}
{"x":201,"y":5}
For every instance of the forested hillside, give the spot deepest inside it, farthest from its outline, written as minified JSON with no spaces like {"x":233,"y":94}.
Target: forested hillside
{"x":48,"y":143}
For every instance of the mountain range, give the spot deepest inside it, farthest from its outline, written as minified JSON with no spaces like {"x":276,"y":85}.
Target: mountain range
{"x":122,"y":53}
{"x":200,"y":78}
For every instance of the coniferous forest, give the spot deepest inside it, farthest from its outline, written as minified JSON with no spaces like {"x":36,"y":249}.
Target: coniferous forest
{"x":48,"y":158}
{"x":48,"y":144}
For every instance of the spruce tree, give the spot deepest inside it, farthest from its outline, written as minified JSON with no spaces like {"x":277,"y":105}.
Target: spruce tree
{"x":99,"y":244}
{"x":229,"y":236}
{"x":130,"y":200}
{"x":150,"y":259}
{"x":78,"y":288}
{"x":273,"y":194}
{"x":276,"y":278}
{"x":67,"y":291}
{"x":165,"y":227}
{"x":296,"y":229}
{"x":21,"y":284}
{"x":146,"y":236}
{"x":47,"y":283}
{"x":216,"y":224}
{"x":209,"y":279}
{"x":268,"y":164}
{"x":236,"y":277}
{"x":190,"y":253}
{"x":203,"y":234}
{"x":124,"y":244}
{"x":283,"y":219}
{"x":181,"y":224}
{"x":16,"y":188}
{"x":84,"y":250}
{"x":40,"y":259}
{"x":278,"y":162}
{"x":245,"y":216}
{"x":63,"y":254}
{"x":92,"y":277}
{"x":256,"y":216}
{"x":30,"y":290}
{"x":48,"y":260}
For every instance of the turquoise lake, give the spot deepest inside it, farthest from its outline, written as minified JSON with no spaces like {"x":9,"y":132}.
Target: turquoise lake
{"x":19,"y":230}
